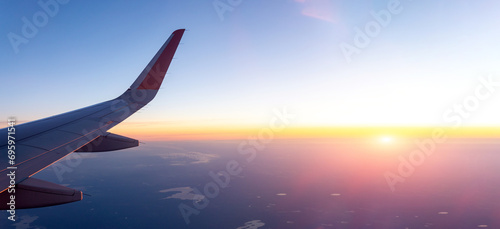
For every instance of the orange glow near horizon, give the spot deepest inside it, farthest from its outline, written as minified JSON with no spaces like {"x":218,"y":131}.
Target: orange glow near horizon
{"x":382,"y":135}
{"x":159,"y":131}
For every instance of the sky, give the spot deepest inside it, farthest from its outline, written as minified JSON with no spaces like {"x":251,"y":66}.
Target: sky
{"x":407,"y":63}
{"x":352,"y":68}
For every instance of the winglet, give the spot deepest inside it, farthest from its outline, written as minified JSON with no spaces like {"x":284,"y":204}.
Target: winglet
{"x":152,"y":76}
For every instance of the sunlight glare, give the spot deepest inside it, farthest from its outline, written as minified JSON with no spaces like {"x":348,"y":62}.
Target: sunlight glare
{"x":386,"y":139}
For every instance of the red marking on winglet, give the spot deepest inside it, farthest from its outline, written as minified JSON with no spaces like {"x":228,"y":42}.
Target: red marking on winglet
{"x":157,"y":72}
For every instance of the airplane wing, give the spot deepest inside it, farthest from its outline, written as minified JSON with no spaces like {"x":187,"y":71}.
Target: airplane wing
{"x":41,"y":143}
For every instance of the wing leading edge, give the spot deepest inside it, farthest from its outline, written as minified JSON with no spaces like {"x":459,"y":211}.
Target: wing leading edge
{"x":41,"y":143}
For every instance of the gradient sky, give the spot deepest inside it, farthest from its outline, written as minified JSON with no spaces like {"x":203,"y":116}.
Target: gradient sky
{"x":232,"y":69}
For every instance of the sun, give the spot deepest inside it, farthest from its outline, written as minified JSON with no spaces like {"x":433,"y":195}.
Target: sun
{"x":386,"y":139}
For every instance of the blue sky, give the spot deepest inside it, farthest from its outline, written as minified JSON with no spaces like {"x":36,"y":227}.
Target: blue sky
{"x":234,"y":69}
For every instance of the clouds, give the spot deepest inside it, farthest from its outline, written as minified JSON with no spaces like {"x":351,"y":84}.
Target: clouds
{"x":182,"y":193}
{"x":320,"y":9}
{"x":25,"y":221}
{"x":188,"y":158}
{"x":254,"y":224}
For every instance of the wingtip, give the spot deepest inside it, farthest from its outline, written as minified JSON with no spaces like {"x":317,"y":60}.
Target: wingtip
{"x":157,"y":68}
{"x":179,"y":32}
